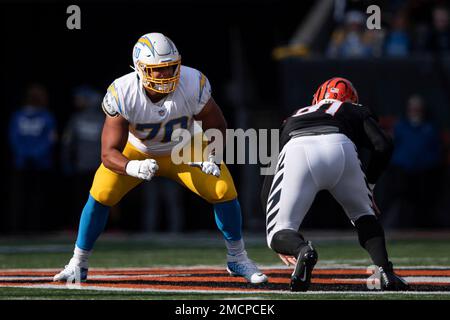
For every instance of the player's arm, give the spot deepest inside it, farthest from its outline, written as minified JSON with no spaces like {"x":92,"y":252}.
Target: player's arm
{"x":114,"y":139}
{"x":382,"y":147}
{"x":212,"y":117}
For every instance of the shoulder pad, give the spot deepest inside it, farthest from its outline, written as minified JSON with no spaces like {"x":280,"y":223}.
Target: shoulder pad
{"x":111,"y":102}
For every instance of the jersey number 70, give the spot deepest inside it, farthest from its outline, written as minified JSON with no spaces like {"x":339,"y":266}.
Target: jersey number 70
{"x":153,"y":128}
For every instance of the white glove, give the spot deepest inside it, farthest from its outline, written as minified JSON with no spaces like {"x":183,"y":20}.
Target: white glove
{"x":144,"y":169}
{"x":208,"y":167}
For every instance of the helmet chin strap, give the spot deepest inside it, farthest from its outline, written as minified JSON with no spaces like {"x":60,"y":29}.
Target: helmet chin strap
{"x":140,"y":77}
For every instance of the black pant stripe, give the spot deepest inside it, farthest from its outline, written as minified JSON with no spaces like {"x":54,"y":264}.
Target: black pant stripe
{"x":281,"y":162}
{"x":272,"y":216}
{"x":275,"y":185}
{"x":274,"y":200}
{"x":271,"y":228}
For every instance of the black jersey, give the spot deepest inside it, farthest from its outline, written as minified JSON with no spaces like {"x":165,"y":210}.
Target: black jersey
{"x":346,"y":118}
{"x":357,"y":122}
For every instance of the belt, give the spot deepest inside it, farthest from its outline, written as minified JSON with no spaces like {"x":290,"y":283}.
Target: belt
{"x":314,"y":131}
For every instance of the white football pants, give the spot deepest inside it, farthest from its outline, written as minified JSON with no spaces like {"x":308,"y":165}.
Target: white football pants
{"x":307,"y":165}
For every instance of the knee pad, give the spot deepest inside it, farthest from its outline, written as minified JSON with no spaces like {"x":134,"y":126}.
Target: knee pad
{"x":287,"y":242}
{"x":222,"y":192}
{"x":368,"y":228}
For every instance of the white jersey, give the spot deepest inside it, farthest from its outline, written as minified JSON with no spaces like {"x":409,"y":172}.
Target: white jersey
{"x":152,"y":124}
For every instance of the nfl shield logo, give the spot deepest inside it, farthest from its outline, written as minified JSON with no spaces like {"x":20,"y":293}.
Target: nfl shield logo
{"x":162,"y":112}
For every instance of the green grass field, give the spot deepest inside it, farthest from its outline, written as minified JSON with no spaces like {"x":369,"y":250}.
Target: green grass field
{"x":205,"y":249}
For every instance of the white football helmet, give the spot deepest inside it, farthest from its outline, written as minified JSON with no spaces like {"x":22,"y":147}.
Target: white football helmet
{"x":155,"y":50}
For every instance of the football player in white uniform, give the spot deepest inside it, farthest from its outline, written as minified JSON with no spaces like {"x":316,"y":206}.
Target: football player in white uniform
{"x":143,"y":108}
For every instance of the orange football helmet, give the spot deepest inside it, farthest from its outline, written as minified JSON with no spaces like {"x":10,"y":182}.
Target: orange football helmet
{"x":338,"y":89}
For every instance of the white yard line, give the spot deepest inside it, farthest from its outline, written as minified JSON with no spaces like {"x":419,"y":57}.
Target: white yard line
{"x":236,"y":292}
{"x":222,"y":268}
{"x":418,"y":280}
{"x":411,"y":280}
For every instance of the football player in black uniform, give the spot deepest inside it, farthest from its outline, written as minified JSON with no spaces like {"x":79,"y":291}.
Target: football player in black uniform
{"x":319,"y":151}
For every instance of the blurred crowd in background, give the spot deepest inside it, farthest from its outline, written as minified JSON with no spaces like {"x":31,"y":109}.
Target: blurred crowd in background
{"x":52,"y":158}
{"x":407,"y":27}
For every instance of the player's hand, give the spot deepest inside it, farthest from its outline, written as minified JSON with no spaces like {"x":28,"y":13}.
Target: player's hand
{"x":144,"y":169}
{"x":288,"y":260}
{"x":208,"y":167}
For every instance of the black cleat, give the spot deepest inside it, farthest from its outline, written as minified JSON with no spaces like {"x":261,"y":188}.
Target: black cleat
{"x":306,"y":260}
{"x":390,"y":281}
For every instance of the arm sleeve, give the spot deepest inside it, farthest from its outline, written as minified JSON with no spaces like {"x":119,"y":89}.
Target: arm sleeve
{"x":381,"y":151}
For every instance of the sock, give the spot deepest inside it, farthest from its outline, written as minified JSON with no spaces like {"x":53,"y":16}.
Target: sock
{"x":80,"y":257}
{"x":235,"y":248}
{"x":377,"y":250}
{"x":229,"y":219}
{"x":371,"y":238}
{"x":92,"y":223}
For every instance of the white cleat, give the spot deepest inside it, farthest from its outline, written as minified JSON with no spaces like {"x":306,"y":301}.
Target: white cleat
{"x":246,"y":268}
{"x":72,"y":273}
